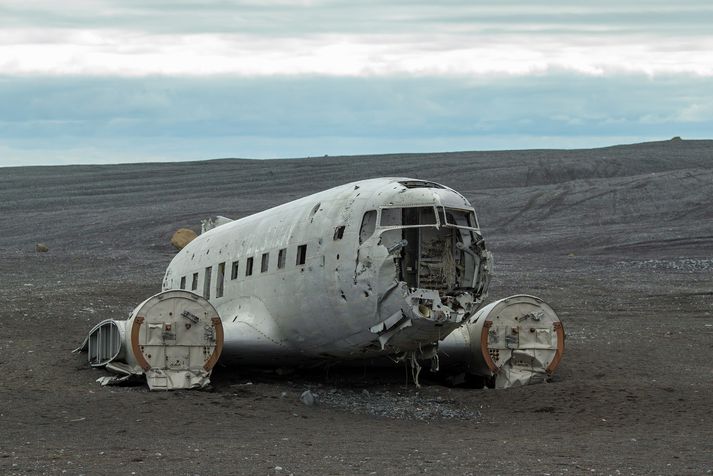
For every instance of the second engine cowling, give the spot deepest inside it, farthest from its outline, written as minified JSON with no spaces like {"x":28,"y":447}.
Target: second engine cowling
{"x":515,"y":341}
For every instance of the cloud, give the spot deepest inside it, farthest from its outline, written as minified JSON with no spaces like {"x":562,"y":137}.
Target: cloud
{"x":295,"y":18}
{"x":132,"y":38}
{"x":125,"y":53}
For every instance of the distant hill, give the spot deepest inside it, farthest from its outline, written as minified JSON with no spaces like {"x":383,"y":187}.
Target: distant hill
{"x":650,"y":198}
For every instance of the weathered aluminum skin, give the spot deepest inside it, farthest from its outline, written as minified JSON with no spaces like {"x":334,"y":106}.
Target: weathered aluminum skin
{"x":349,"y":298}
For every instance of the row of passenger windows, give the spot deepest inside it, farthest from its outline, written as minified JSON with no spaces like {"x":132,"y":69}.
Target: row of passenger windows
{"x":300,"y":259}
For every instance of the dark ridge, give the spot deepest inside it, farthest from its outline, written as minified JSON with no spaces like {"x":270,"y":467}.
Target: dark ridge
{"x":588,"y":200}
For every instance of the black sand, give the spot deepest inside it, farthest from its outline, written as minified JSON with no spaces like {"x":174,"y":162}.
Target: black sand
{"x":618,"y":240}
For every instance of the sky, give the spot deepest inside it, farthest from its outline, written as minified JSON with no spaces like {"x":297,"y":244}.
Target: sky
{"x":107,"y":81}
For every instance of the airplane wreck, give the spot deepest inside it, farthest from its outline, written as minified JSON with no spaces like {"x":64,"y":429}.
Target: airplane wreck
{"x":391,"y":268}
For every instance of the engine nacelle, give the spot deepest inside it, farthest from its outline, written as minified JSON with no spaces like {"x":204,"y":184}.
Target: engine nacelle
{"x":515,"y":341}
{"x":174,"y":338}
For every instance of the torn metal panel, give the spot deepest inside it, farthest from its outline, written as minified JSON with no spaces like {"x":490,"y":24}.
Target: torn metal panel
{"x":213,"y":222}
{"x":434,"y":272}
{"x":104,"y":343}
{"x":173,"y":339}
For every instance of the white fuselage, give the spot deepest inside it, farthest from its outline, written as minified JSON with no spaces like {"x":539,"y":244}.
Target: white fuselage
{"x":377,"y":267}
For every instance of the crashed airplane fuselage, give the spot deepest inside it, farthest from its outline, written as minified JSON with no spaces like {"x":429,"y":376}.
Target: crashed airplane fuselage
{"x":387,"y":267}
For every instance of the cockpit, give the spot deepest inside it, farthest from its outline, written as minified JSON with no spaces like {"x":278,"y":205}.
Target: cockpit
{"x":434,"y":247}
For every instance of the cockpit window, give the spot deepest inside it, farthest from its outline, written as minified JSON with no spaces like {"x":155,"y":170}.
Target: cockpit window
{"x":409,"y":216}
{"x":457,"y":217}
{"x":391,"y":217}
{"x":368,"y":225}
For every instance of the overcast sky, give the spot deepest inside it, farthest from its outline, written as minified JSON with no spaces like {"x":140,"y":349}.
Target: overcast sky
{"x":99,"y":81}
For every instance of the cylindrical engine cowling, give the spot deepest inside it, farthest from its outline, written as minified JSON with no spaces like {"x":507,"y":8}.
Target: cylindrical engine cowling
{"x":518,"y":340}
{"x":175,"y":337}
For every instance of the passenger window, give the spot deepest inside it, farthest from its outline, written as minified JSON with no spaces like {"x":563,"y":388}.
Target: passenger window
{"x":281,"y":257}
{"x":301,"y":254}
{"x":194,"y":283}
{"x":206,"y":282}
{"x":339,"y":232}
{"x":249,"y":267}
{"x":183,"y":282}
{"x":368,"y":225}
{"x":219,"y":281}
{"x":265,"y":262}
{"x":234,"y":270}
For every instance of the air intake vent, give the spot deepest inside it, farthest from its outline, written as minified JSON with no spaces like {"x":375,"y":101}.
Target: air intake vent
{"x":420,"y":184}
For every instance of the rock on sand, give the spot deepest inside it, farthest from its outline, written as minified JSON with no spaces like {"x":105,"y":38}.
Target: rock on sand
{"x":182,"y":237}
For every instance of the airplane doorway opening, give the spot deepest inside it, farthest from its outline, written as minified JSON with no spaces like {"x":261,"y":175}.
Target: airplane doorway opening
{"x":436,"y":253}
{"x":427,"y":259}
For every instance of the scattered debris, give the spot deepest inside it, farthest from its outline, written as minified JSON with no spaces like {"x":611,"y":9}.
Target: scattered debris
{"x":308,"y":398}
{"x":41,"y":248}
{"x":398,"y":405}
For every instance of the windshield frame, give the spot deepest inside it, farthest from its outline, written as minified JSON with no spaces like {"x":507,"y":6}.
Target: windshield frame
{"x":439,"y":212}
{"x":442,"y":212}
{"x":436,"y":223}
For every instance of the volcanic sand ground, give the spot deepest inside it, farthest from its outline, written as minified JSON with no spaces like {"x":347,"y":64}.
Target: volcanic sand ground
{"x":618,"y":240}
